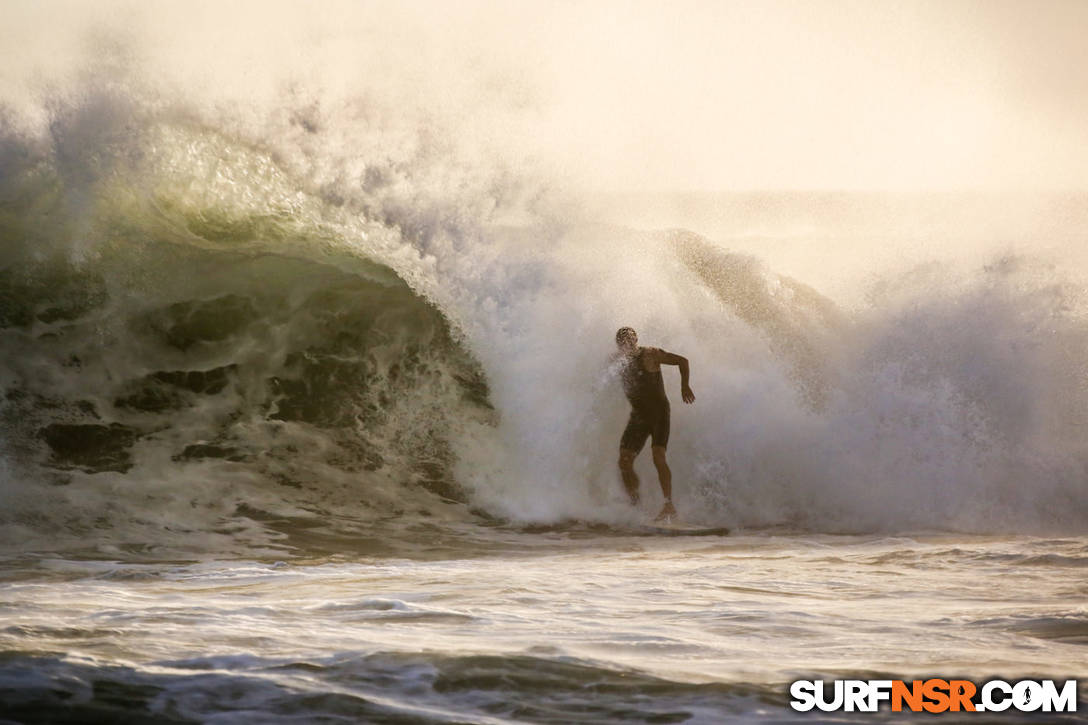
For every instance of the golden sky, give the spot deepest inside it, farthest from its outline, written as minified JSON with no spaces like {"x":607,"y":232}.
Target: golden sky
{"x":623,"y":95}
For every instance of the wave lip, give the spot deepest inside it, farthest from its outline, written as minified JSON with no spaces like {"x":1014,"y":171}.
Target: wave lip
{"x":178,"y":357}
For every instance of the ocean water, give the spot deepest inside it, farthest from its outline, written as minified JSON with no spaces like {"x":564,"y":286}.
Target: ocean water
{"x":500,"y":626}
{"x":306,"y":416}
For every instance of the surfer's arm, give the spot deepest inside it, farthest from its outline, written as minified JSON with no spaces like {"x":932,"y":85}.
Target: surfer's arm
{"x":668,"y":358}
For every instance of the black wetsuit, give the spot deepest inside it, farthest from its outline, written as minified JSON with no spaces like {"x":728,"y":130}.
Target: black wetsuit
{"x":649,"y":405}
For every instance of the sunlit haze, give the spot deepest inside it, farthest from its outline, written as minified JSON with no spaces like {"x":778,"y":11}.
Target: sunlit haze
{"x":642,"y":95}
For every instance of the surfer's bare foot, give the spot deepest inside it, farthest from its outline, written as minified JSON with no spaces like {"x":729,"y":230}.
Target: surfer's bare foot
{"x":667,"y":512}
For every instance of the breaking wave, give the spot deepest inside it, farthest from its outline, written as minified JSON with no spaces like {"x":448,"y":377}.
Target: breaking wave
{"x":215,"y":340}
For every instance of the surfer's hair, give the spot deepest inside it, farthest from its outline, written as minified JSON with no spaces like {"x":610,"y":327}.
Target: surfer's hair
{"x":624,"y":334}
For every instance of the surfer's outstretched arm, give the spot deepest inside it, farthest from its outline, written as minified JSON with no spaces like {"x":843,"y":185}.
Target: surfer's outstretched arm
{"x":668,"y":358}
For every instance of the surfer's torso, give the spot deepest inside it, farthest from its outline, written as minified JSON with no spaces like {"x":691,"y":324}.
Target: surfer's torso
{"x":642,"y":381}
{"x":640,"y":373}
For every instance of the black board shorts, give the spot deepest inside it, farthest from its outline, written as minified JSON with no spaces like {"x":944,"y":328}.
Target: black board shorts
{"x":643,"y":424}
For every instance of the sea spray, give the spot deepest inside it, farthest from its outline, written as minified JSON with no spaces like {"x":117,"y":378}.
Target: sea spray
{"x":219,"y":322}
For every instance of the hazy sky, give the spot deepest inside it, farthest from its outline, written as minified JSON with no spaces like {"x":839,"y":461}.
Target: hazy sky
{"x":828,"y":94}
{"x":825,"y":94}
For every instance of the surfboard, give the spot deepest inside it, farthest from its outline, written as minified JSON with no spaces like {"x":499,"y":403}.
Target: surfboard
{"x":580,"y":529}
{"x":681,"y":529}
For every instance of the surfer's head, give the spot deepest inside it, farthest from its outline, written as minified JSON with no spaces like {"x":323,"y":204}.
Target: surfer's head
{"x":626,"y":339}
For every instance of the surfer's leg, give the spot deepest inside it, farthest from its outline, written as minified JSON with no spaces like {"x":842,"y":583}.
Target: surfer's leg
{"x":634,"y":438}
{"x":627,"y":473}
{"x":664,"y":475}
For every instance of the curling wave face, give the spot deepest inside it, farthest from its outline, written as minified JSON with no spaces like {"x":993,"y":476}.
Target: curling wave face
{"x":195,"y":352}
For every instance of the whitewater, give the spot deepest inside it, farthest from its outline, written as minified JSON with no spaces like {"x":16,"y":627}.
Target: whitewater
{"x":306,"y":415}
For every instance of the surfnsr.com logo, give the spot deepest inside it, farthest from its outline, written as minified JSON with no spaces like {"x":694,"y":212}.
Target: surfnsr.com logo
{"x":934,"y":695}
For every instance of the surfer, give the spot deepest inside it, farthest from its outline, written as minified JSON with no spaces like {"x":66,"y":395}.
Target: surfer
{"x":640,"y":373}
